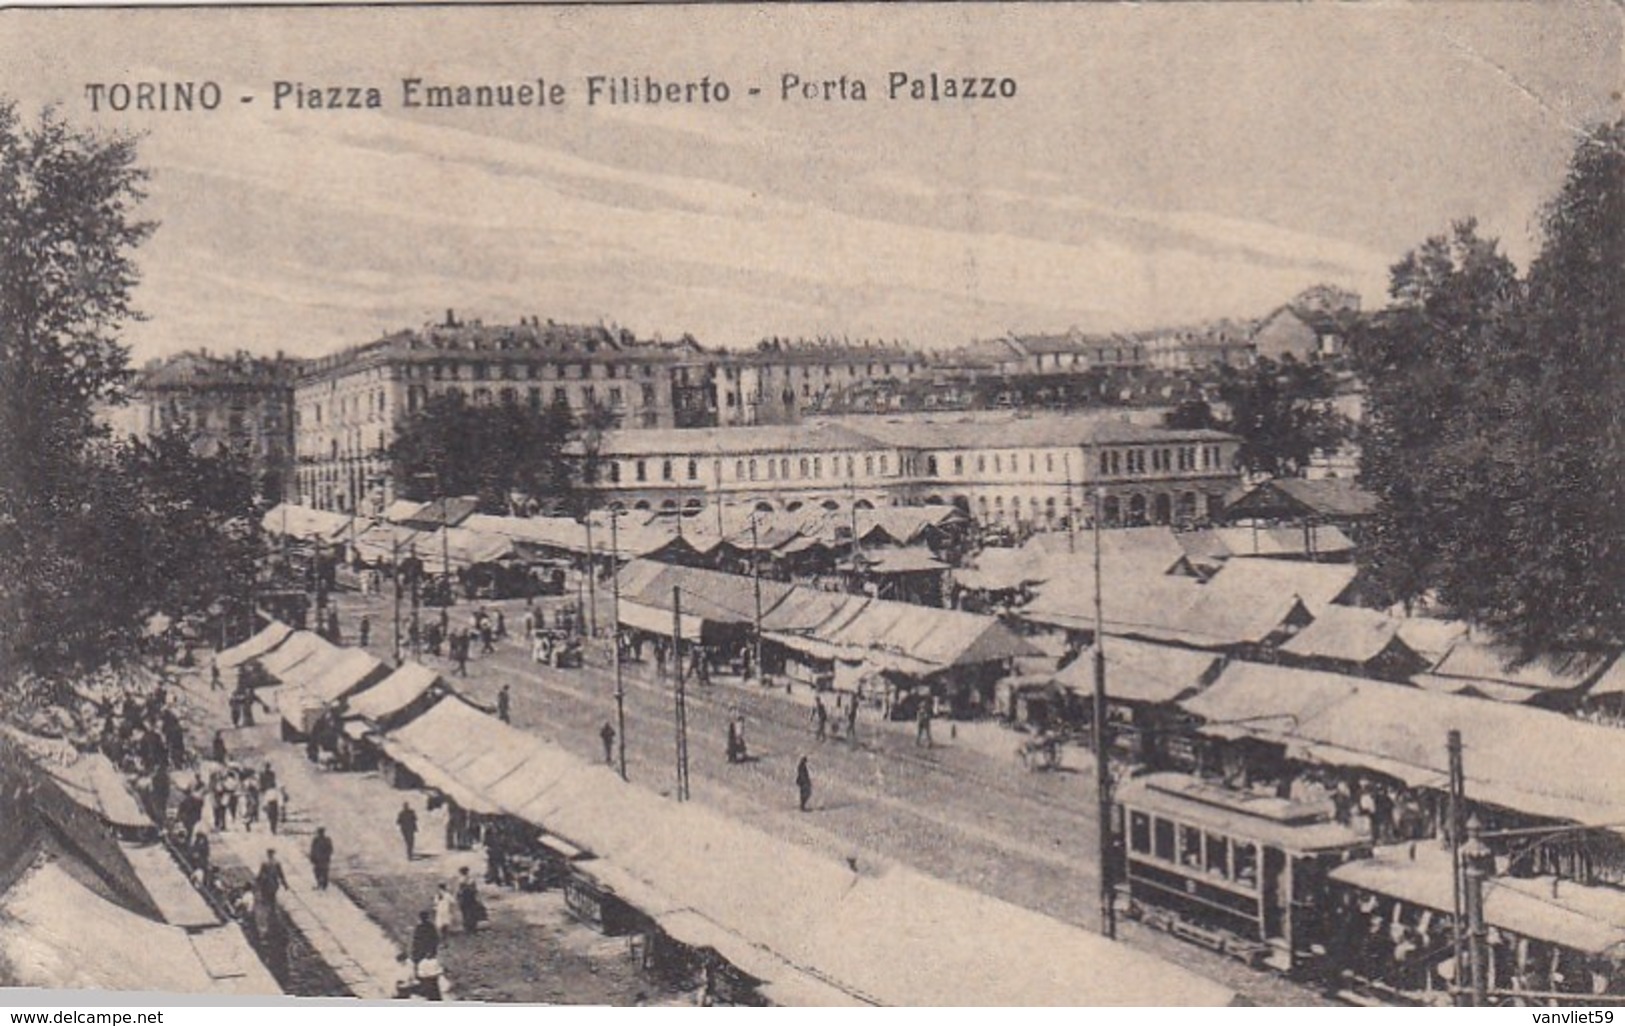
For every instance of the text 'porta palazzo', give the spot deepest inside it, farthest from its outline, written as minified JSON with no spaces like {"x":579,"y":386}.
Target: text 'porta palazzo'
{"x":413,"y":93}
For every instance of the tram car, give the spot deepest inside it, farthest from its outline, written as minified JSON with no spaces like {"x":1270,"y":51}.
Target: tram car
{"x":1280,"y":883}
{"x":1238,"y":872}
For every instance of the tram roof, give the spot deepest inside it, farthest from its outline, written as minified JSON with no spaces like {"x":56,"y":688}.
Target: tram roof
{"x":1296,"y":827}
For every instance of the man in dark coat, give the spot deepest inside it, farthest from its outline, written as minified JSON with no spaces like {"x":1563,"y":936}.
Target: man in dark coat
{"x":606,"y":734}
{"x":407,"y":821}
{"x":803,"y":782}
{"x":321,"y":857}
{"x":502,"y":705}
{"x":468,"y":901}
{"x":425,"y":938}
{"x":271,"y":878}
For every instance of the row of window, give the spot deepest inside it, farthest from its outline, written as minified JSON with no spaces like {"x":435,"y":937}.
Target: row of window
{"x":451,"y":370}
{"x":771,"y":468}
{"x":1116,"y":462}
{"x":417,"y":396}
{"x":1193,"y":849}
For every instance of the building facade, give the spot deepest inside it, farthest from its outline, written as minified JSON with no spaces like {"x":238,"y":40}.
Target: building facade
{"x":347,"y":406}
{"x":227,"y":403}
{"x":1030,"y":473}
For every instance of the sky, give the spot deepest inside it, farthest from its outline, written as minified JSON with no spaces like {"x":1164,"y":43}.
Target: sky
{"x":1158,"y":165}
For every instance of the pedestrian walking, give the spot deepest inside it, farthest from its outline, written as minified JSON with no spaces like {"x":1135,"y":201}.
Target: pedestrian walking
{"x":251,"y":805}
{"x":606,"y":734}
{"x":407,"y":821}
{"x":217,"y":750}
{"x":852,"y":720}
{"x":468,"y":901}
{"x":235,"y":702}
{"x":321,"y":857}
{"x":364,"y":630}
{"x":502,"y":705}
{"x":443,"y":911}
{"x":218,"y":804}
{"x":333,"y":633}
{"x":733,"y":741}
{"x":486,"y":647}
{"x":803,"y":782}
{"x":425,"y":938}
{"x":460,"y":652}
{"x":922,"y":724}
{"x":271,"y":802}
{"x":214,"y":678}
{"x":271,"y":879}
{"x":820,"y":718}
{"x":426,"y":956}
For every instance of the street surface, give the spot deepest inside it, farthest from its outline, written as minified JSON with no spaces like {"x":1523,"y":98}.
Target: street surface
{"x":964,"y":810}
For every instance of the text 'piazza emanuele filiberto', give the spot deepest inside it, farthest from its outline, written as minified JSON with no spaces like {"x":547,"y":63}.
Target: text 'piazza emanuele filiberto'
{"x":416,"y":93}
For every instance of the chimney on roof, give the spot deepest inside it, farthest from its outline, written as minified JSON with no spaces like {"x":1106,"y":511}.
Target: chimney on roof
{"x":451,"y":317}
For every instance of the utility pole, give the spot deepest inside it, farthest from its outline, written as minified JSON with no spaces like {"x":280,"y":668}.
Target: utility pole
{"x":1453,"y":832}
{"x":756,"y":582}
{"x":1071,"y":511}
{"x":417,"y":627}
{"x":682,"y":698}
{"x":1476,"y":864}
{"x":1103,"y":773}
{"x":615,"y":597}
{"x":395,"y":572}
{"x":592,"y":584}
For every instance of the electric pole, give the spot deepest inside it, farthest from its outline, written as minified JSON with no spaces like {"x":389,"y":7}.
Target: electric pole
{"x":1453,"y":833}
{"x":592,"y":585}
{"x":1103,"y":773}
{"x":756,"y":582}
{"x":682,"y":702}
{"x":615,"y":598}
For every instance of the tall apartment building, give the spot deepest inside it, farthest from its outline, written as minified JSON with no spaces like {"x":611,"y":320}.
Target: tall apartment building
{"x":233,"y":402}
{"x":347,"y":406}
{"x":781,"y":380}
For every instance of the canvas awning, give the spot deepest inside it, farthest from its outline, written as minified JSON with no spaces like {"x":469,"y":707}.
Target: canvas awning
{"x":390,"y":696}
{"x":656,"y":620}
{"x":1140,"y":672}
{"x":274,"y":634}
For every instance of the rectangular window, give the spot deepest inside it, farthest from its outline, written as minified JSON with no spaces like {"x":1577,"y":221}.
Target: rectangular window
{"x":1162,"y":839}
{"x":802,"y":467}
{"x":560,"y":398}
{"x":665,"y":470}
{"x":643,"y":470}
{"x":693,"y":470}
{"x":1190,"y":847}
{"x":818,"y":468}
{"x":481,"y":371}
{"x":981,"y":464}
{"x":1139,"y":833}
{"x":850,"y":463}
{"x":868,"y":466}
{"x":959,"y":464}
{"x":1246,"y":863}
{"x":1218,"y":855}
{"x":882,"y":466}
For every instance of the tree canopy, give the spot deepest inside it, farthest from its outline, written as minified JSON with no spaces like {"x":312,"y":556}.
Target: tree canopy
{"x":507,"y":455}
{"x":1282,"y":410}
{"x":1493,"y":432}
{"x":96,"y":535}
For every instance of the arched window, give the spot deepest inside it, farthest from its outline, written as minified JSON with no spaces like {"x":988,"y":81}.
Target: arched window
{"x":753,"y":470}
{"x":693,"y":469}
{"x":665,"y":470}
{"x":1111,"y":511}
{"x":1163,"y":509}
{"x":739,"y":470}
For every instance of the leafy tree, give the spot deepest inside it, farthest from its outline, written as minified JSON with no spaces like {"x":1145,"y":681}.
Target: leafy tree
{"x":67,"y":229}
{"x":194,"y":518}
{"x":506,"y":455}
{"x":1191,"y":415}
{"x":1493,"y":431}
{"x":1281,"y":410}
{"x":1431,"y":445}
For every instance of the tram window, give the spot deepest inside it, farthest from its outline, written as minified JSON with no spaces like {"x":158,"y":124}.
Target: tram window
{"x":1218,"y":855}
{"x":1139,"y":832}
{"x":1246,"y":863}
{"x":1163,"y":840}
{"x":1190,"y":847}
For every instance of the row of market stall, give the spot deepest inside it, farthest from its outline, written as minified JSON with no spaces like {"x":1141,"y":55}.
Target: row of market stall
{"x":892,"y":652}
{"x":773,"y":922}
